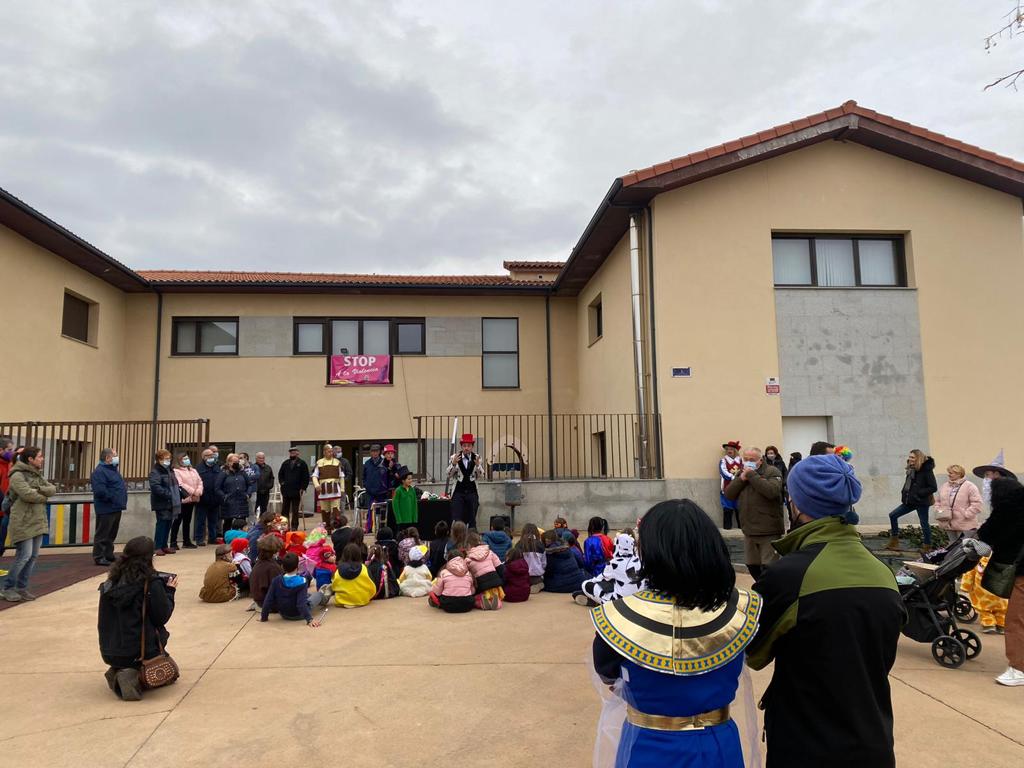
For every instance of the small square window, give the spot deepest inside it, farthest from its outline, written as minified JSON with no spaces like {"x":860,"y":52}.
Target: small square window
{"x":410,"y":338}
{"x":309,"y":338}
{"x":791,"y":261}
{"x":76,"y":321}
{"x":204,"y":336}
{"x":878,"y":262}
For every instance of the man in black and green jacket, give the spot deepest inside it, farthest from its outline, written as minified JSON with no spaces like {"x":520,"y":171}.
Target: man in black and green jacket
{"x":831,"y":620}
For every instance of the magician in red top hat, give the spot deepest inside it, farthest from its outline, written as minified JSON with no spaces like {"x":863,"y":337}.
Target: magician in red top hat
{"x":465,"y":469}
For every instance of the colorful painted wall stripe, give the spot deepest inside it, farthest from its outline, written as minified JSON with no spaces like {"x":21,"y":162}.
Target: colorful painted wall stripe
{"x":71,"y":523}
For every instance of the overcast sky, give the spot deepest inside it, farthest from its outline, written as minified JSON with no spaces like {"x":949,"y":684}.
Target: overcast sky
{"x":434,"y":136}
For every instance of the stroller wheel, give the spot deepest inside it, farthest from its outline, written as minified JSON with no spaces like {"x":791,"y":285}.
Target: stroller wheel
{"x":963,"y":610}
{"x":970,"y":641}
{"x":948,"y":652}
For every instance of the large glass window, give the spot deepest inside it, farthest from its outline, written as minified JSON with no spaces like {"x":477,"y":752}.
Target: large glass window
{"x":359,"y":336}
{"x":204,"y":336}
{"x":836,"y":261}
{"x":500,"y":353}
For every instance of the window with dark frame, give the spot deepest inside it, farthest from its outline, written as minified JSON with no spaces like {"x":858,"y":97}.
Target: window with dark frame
{"x":75,"y":320}
{"x":359,"y":336}
{"x":596,"y":319}
{"x":195,"y":336}
{"x":838,"y":261}
{"x":500,"y":352}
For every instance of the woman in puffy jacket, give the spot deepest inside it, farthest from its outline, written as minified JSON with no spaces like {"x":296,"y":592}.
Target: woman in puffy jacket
{"x":957,"y":505}
{"x":191,"y":485}
{"x":121,"y":629}
{"x":233,"y":489}
{"x":917,"y":496}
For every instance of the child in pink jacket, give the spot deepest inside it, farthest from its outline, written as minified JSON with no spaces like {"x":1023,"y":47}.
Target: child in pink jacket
{"x":484,"y":564}
{"x":453,"y":588}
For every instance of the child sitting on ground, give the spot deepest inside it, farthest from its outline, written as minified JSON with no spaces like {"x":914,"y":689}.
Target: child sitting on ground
{"x":561,"y":527}
{"x":620,"y":578}
{"x":438,"y":547}
{"x":415,"y":579}
{"x":457,"y":539}
{"x":351,"y":583}
{"x":484,"y":564}
{"x":287,"y":595}
{"x":219,"y":581}
{"x":359,"y":539}
{"x":533,"y":552}
{"x":240,"y":557}
{"x":562,"y":573}
{"x":497,"y":539}
{"x":295,"y":542}
{"x":265,"y":569}
{"x":323,"y":573}
{"x":237,"y":530}
{"x":381,"y":572}
{"x":408,"y":539}
{"x":386,"y":540}
{"x":453,"y":589}
{"x":256,"y":532}
{"x":598,"y":548}
{"x":517,"y":577}
{"x":342,"y":533}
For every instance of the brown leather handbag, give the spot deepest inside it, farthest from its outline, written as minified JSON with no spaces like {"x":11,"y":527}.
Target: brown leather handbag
{"x":160,"y":670}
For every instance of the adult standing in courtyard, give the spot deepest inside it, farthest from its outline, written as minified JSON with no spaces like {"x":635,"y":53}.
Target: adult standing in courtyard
{"x":757,"y":491}
{"x":728,"y":467}
{"x":465,"y":468}
{"x":831,"y":621}
{"x":329,"y":483}
{"x":375,"y":481}
{"x":131,"y":584}
{"x":1004,"y":531}
{"x":109,"y":500}
{"x":164,"y":500}
{"x":29,"y":491}
{"x":264,"y":483}
{"x":918,"y":495}
{"x":6,"y":460}
{"x":252,"y":476}
{"x":233,"y":489}
{"x":958,"y":505}
{"x":293,"y":476}
{"x":191,"y":485}
{"x":208,"y":508}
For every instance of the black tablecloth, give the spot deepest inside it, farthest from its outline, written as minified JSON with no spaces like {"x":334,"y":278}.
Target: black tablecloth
{"x":430,"y":513}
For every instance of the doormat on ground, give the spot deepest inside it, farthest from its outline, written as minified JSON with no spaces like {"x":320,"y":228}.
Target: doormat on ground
{"x":53,"y":572}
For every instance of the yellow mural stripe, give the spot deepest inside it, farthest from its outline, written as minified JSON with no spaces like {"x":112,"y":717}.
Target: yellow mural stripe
{"x":58,"y":529}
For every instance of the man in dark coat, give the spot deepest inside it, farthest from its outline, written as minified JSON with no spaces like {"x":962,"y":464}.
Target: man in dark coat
{"x":831,"y":621}
{"x":109,"y":500}
{"x":208,"y":508}
{"x":293,"y":476}
{"x":264,"y":483}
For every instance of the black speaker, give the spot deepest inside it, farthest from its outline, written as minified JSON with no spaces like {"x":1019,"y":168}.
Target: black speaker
{"x":505,"y":519}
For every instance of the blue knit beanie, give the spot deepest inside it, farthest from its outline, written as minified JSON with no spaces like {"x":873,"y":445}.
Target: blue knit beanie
{"x":823,"y":486}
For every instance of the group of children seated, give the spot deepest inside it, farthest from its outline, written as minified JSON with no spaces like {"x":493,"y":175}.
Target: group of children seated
{"x":457,"y":570}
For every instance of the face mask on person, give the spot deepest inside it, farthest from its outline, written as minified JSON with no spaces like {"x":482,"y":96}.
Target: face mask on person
{"x":7,"y":455}
{"x":186,"y":462}
{"x":116,"y":460}
{"x":165,"y":463}
{"x":750,"y":464}
{"x":211,"y":461}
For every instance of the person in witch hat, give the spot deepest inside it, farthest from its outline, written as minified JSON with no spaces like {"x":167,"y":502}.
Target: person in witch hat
{"x":730,"y":466}
{"x":465,"y":469}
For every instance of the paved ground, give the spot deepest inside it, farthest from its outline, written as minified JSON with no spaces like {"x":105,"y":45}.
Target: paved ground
{"x":392,"y":684}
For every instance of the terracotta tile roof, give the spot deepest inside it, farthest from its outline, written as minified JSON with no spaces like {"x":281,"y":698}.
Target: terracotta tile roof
{"x":848,"y":108}
{"x":185,"y":277}
{"x":531,"y":265}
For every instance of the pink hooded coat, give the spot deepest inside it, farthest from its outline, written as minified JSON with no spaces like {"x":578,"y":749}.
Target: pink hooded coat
{"x":454,"y":580}
{"x":966,"y":505}
{"x":482,"y":561}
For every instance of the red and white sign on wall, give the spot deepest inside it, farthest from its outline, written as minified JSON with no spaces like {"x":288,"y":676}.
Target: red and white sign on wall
{"x":360,"y":369}
{"x":772,"y":386}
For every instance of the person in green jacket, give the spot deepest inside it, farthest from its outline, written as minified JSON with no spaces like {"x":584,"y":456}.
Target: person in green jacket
{"x":405,"y":502}
{"x":29,"y":489}
{"x":831,"y":621}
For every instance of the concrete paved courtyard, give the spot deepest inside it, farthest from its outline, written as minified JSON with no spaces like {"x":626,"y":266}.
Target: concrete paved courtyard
{"x":392,"y":684}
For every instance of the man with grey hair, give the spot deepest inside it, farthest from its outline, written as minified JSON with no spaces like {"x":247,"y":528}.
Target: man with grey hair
{"x":757,"y":490}
{"x":109,"y":500}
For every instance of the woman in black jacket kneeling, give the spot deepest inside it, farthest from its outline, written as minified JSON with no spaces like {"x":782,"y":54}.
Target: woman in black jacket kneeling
{"x":120,"y":615}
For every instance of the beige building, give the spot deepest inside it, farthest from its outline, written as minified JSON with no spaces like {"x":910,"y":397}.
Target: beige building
{"x":869,"y":266}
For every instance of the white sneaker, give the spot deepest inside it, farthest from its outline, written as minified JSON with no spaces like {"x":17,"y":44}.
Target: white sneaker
{"x":1011,"y":677}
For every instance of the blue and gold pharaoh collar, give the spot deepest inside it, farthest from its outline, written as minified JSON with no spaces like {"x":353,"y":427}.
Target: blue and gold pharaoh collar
{"x":652,"y":631}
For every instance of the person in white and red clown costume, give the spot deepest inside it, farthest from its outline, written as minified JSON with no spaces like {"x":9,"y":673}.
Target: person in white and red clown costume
{"x":465,"y":468}
{"x":730,"y":466}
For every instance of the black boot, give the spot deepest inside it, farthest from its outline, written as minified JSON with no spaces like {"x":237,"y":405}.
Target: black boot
{"x":755,"y":571}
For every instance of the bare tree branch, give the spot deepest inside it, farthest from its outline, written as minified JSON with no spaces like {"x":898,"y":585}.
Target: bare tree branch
{"x":1013,"y":77}
{"x":1014,"y":26}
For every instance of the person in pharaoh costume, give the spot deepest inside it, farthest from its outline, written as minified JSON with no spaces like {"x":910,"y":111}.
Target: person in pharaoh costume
{"x":329,"y":483}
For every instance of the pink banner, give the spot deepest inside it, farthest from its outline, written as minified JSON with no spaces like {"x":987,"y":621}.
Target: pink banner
{"x":361,"y":369}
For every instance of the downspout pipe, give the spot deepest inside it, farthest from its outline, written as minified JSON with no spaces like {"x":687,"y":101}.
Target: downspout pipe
{"x":639,"y":367}
{"x":658,"y":445}
{"x":156,"y":369}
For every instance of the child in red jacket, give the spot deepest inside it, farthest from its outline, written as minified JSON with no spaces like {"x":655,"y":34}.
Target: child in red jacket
{"x":517,"y":576}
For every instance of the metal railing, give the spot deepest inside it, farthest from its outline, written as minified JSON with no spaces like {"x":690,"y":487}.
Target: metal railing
{"x":565,"y":446}
{"x":72,"y":448}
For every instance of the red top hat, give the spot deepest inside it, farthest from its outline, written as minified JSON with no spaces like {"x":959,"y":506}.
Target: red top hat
{"x":733,"y":444}
{"x":389,"y":447}
{"x":467,"y":438}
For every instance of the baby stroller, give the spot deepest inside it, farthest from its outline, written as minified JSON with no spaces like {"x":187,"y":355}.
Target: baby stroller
{"x":929,"y":593}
